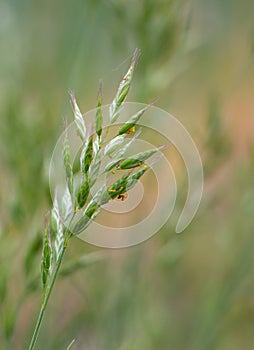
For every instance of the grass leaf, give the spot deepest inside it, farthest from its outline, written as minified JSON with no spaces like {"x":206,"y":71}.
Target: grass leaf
{"x":80,"y":263}
{"x":70,"y":345}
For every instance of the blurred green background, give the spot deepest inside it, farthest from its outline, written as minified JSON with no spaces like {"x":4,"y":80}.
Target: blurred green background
{"x":192,"y":291}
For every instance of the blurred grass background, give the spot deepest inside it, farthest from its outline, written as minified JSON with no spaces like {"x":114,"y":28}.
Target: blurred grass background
{"x":191,"y":291}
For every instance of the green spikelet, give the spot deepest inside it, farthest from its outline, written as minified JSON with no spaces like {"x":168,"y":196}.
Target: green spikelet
{"x":87,"y":156}
{"x":99,"y":117}
{"x":137,"y":159}
{"x":78,"y":118}
{"x":123,"y":90}
{"x":67,"y":163}
{"x":82,"y":194}
{"x":46,"y":260}
{"x":113,"y":145}
{"x":130,"y":124}
{"x":133,"y":178}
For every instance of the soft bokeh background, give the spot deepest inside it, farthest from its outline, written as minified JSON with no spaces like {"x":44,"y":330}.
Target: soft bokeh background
{"x":191,"y":291}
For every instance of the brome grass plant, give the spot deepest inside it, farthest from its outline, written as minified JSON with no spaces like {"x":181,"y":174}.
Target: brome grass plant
{"x":73,"y":213}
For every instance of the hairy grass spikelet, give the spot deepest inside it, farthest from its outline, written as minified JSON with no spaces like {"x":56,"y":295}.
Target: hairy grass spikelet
{"x":99,"y":116}
{"x":78,"y":118}
{"x":46,"y":259}
{"x":68,"y":163}
{"x":123,"y":90}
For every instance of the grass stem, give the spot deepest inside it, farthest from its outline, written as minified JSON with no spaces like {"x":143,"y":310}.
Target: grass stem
{"x":46,"y":299}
